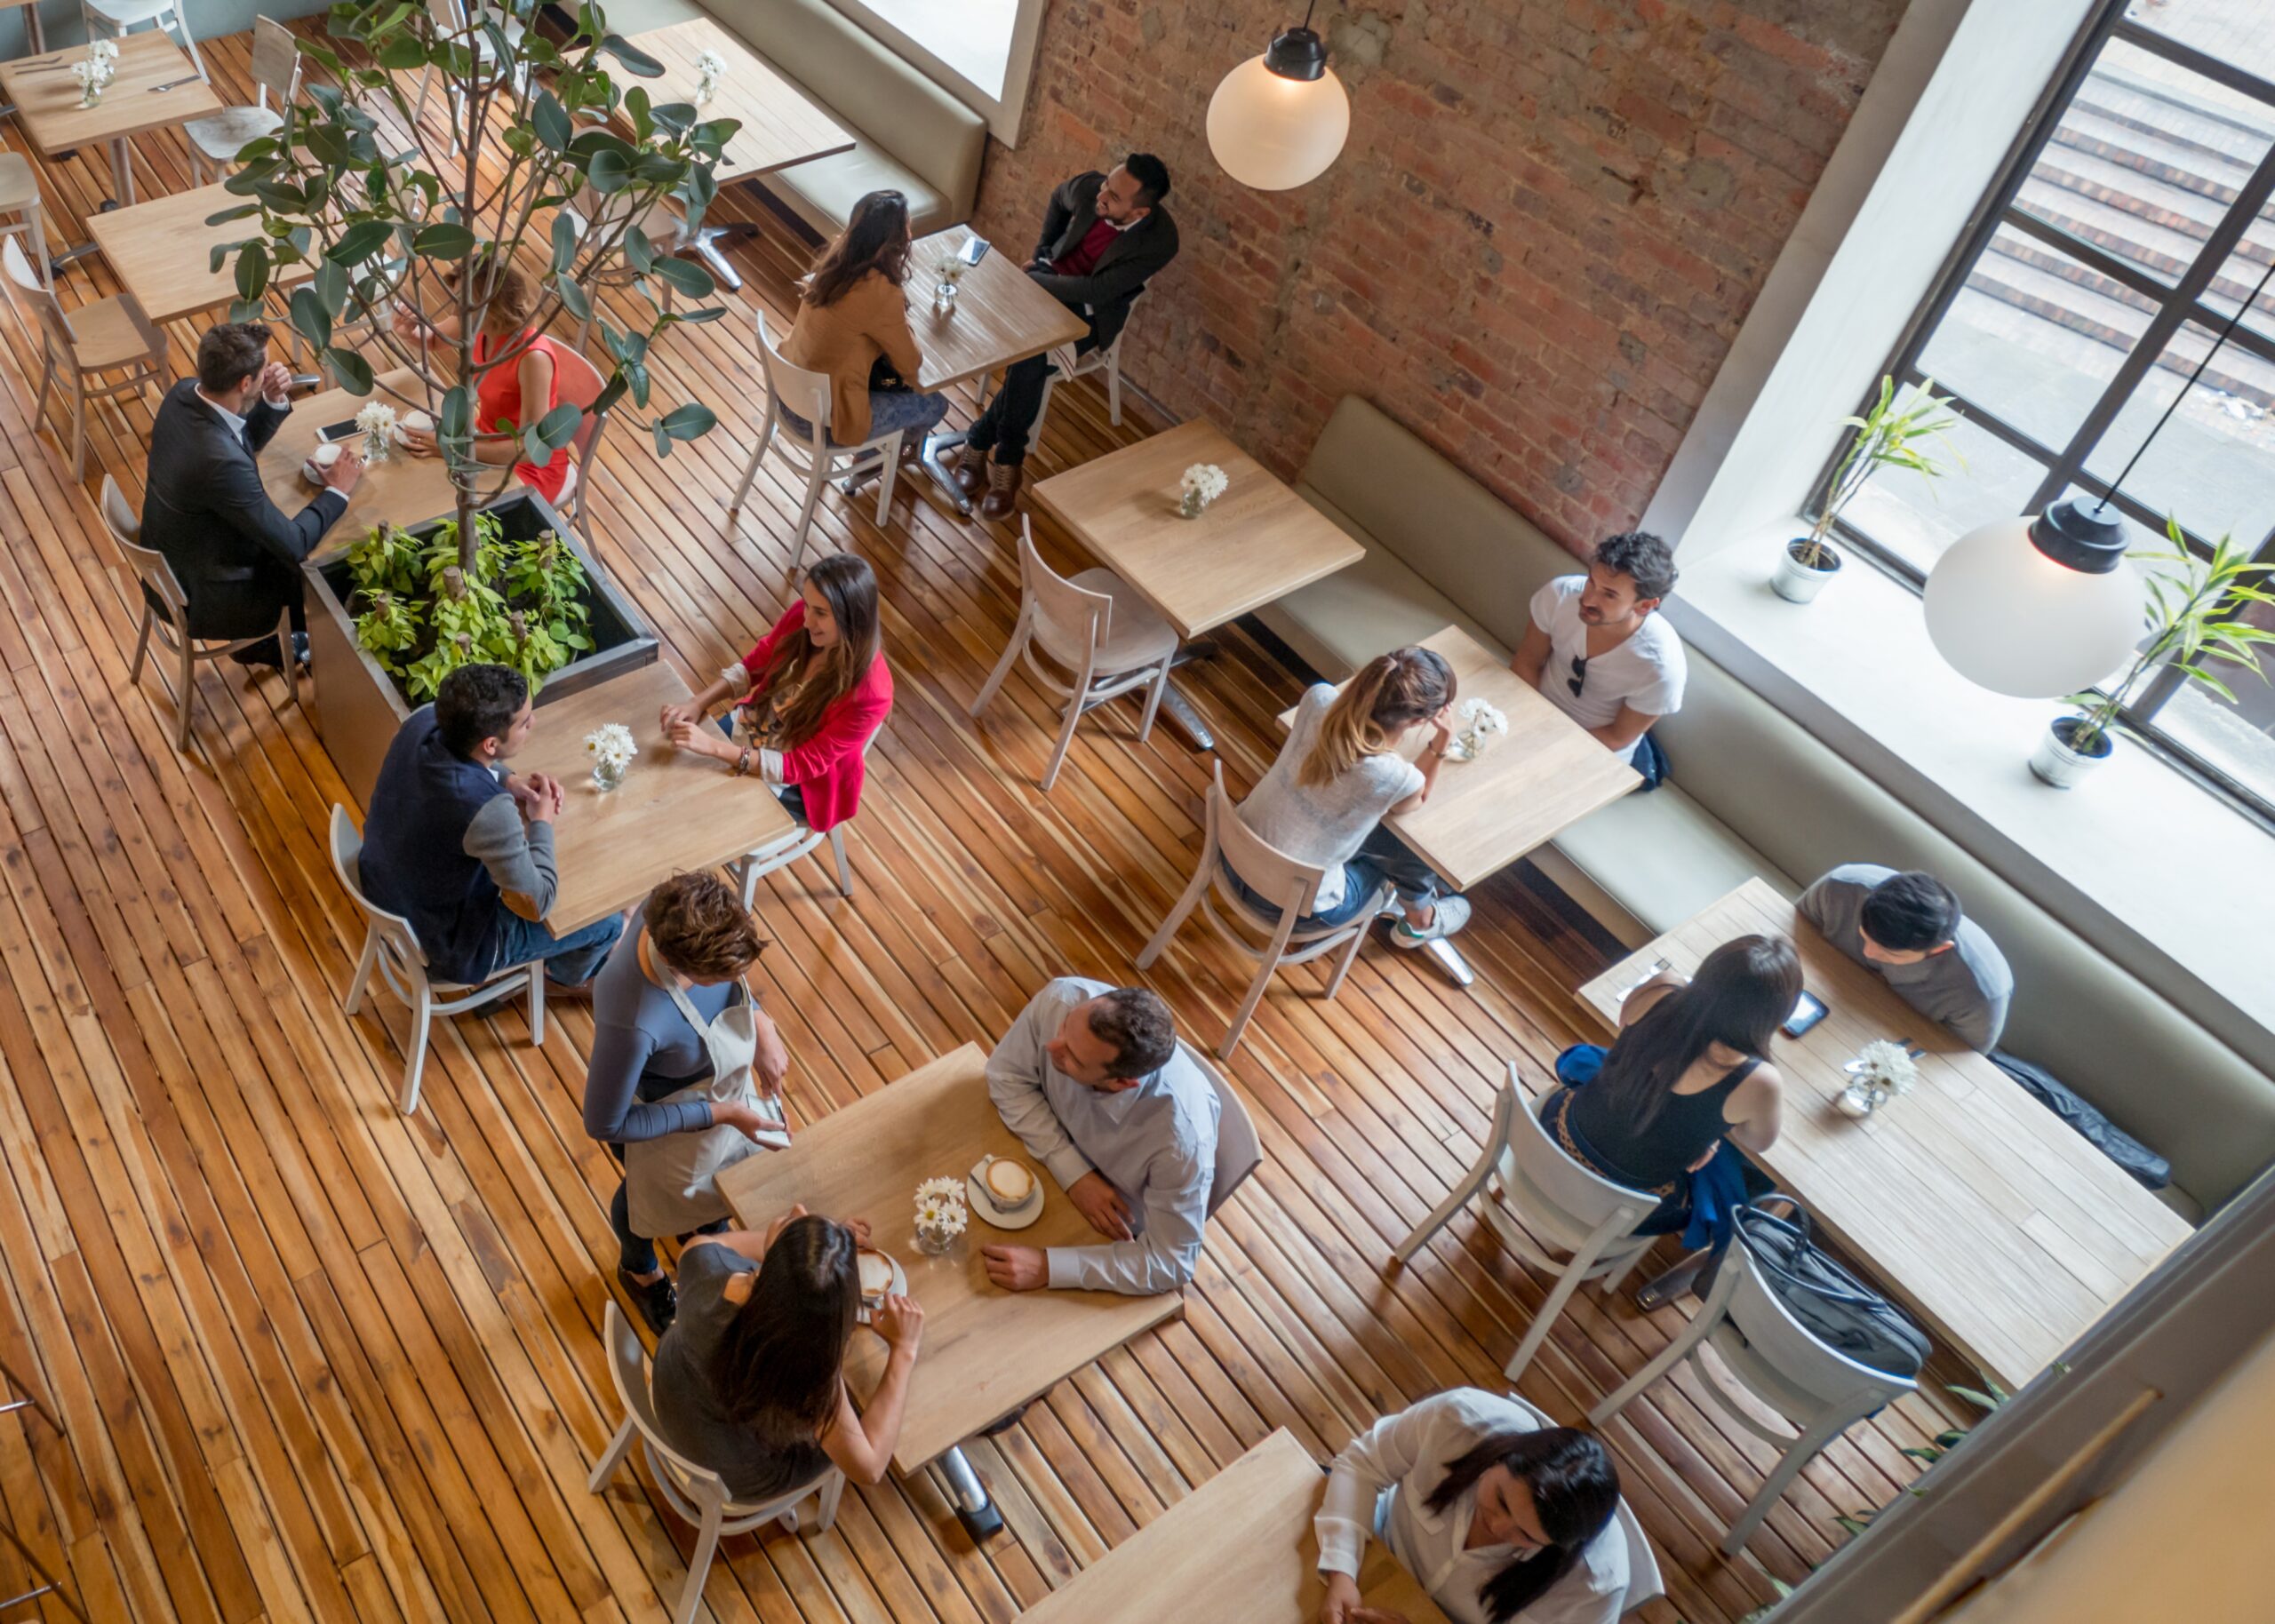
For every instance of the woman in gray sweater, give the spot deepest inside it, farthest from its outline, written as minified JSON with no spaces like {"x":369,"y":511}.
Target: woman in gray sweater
{"x":694,"y":931}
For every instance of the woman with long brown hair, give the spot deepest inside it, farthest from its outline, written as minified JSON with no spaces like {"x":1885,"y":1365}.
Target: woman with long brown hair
{"x":1340,"y":773}
{"x":516,"y":381}
{"x":812,"y":694}
{"x":852,"y":324}
{"x":750,"y":1380}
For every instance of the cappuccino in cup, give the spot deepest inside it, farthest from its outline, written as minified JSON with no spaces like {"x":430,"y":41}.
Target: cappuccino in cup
{"x":1008,"y":1184}
{"x":876,"y":1272}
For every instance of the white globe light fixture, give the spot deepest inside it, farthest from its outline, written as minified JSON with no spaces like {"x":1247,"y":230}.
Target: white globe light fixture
{"x":1279,"y":120}
{"x":2038,"y":608}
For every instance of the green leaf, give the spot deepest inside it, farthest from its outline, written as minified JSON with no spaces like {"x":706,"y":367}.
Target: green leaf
{"x":639,"y":253}
{"x":663,"y":441}
{"x":237,"y":213}
{"x":564,"y":242}
{"x":573,"y":298}
{"x":355,"y":372}
{"x":444,"y":240}
{"x":455,"y":413}
{"x":558,"y":427}
{"x":608,"y":171}
{"x":253,"y":271}
{"x":687,"y":276}
{"x":331,"y":285}
{"x":310,"y":319}
{"x":360,"y":241}
{"x":688,"y":422}
{"x":635,"y":61}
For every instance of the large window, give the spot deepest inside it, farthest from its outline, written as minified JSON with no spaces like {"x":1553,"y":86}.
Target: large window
{"x":983,"y":51}
{"x":2135,"y":225}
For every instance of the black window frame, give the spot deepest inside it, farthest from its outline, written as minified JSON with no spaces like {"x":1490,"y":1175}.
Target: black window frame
{"x":2173,"y":306}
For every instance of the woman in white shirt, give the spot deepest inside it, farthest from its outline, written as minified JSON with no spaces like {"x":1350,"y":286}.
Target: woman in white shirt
{"x":1499,"y":1517}
{"x":1339,"y":774}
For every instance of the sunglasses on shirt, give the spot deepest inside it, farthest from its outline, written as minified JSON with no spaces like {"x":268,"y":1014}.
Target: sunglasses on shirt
{"x":1579,"y":678}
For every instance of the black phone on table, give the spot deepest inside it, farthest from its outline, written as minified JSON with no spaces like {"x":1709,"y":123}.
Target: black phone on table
{"x":974,"y":251}
{"x":1806,"y":1014}
{"x":337,"y":431}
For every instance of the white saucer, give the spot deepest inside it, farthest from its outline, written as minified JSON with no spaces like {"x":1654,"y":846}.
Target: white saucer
{"x":995,"y":1216}
{"x":897,"y":1288}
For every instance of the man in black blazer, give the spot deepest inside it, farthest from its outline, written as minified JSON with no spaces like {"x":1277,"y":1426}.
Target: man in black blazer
{"x":235,"y":553}
{"x":1103,"y":238}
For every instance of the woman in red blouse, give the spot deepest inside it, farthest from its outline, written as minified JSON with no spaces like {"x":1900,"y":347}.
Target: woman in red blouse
{"x":812,"y":695}
{"x":515,"y":364}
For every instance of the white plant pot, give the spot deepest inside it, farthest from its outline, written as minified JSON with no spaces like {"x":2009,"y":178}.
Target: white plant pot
{"x":2057,"y":763}
{"x":1798,"y":582}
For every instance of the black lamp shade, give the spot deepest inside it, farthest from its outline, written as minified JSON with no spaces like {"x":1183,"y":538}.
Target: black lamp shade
{"x":1297,"y":54}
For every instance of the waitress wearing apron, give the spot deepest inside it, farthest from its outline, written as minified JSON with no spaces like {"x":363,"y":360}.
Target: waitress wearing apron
{"x":678,"y":1040}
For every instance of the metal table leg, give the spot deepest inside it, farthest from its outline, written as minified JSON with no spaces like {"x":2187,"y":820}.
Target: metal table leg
{"x":705,"y":248}
{"x":974,"y":1510}
{"x":1449,"y":959}
{"x":122,"y":174}
{"x":936,"y":442}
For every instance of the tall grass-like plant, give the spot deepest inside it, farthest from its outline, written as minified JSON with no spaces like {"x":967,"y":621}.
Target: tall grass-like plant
{"x":1885,"y":437}
{"x":378,"y":225}
{"x":2195,"y":615}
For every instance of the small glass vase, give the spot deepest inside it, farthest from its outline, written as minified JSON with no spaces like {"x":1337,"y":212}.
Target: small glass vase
{"x":932,"y":1240}
{"x":608,"y":775}
{"x":1192,"y":505}
{"x":378,"y":446}
{"x":1861,"y":1099}
{"x":943,"y":294}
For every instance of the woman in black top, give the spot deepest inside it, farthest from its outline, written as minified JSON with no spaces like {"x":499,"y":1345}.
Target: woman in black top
{"x":1686,"y":1073}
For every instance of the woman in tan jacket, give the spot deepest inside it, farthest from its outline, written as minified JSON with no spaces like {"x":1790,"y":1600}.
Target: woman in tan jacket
{"x":853,"y":325}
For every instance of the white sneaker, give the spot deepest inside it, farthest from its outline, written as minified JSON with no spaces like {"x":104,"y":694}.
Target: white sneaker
{"x":1448,"y":916}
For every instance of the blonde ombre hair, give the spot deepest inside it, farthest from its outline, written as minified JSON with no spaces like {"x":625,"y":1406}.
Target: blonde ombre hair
{"x":1391,"y":693}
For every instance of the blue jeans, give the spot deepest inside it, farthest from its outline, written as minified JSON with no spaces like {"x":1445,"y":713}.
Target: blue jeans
{"x":890,"y":411}
{"x":572,"y":959}
{"x":1381,"y":856}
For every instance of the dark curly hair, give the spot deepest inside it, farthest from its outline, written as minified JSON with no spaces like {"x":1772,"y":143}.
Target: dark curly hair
{"x":1641,"y":556}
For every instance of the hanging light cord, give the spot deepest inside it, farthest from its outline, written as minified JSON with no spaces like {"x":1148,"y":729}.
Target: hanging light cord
{"x":2101,"y":504}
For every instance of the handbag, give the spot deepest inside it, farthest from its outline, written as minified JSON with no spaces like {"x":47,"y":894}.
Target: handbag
{"x":1832,"y":1304}
{"x":670,"y":1182}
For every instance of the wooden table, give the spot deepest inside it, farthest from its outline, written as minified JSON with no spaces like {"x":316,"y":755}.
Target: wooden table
{"x":2006,"y":1232}
{"x":404,"y":490}
{"x":48,"y":110}
{"x":781,"y":125}
{"x":161,"y":249}
{"x":1239,"y":1550}
{"x":986,"y":1351}
{"x":674,"y":812}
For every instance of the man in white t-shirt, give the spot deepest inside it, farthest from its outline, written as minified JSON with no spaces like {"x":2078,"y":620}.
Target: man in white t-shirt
{"x":1596,"y":650}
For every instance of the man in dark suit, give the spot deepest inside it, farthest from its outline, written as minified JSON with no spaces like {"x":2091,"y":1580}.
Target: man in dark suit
{"x":1103,"y":238}
{"x":235,"y":553}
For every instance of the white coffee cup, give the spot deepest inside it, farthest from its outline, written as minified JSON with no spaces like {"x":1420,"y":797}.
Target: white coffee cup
{"x":416,"y":419}
{"x":319,"y":467}
{"x":876,"y":1273}
{"x":1009,"y":1184}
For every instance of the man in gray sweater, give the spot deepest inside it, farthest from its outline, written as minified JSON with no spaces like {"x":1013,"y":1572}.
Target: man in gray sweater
{"x":1908,"y":929}
{"x":462,"y":847}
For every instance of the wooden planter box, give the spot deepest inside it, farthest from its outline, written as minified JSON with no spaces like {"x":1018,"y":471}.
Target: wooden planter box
{"x":359,"y":706}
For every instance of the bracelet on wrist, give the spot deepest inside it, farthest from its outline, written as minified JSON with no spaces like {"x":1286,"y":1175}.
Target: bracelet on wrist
{"x":742,"y":763}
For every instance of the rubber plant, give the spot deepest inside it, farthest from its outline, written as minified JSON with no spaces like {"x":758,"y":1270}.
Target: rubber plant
{"x":367,"y":212}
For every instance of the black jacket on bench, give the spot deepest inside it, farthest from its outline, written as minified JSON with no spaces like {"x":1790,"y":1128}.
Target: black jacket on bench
{"x":1121,"y":272}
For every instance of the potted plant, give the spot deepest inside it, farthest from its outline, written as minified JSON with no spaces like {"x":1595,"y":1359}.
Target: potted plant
{"x":2194,"y":615}
{"x":1885,"y":437}
{"x":378,"y":227}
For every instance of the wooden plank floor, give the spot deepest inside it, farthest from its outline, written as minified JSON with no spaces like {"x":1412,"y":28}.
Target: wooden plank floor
{"x":314,"y":1360}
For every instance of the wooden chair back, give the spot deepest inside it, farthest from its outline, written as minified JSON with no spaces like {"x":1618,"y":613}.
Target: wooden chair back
{"x":1262,"y":866}
{"x":275,"y":62}
{"x":805,"y":393}
{"x":1070,"y":622}
{"x":1239,"y":1151}
{"x":1791,"y":1349}
{"x":152,"y":567}
{"x":402,"y":960}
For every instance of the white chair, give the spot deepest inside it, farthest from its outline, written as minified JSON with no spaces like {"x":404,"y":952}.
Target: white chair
{"x":116,"y":17}
{"x":79,"y":346}
{"x":1644,"y":1583}
{"x":275,"y":72}
{"x":391,"y":948}
{"x":1239,"y":1151}
{"x":796,"y":845}
{"x":813,"y":453}
{"x":1573,"y":1209}
{"x":1822,"y":1391}
{"x":696,"y":1493}
{"x":1066,"y":365}
{"x":1095,"y":626}
{"x":1269,"y":873}
{"x":453,"y":24}
{"x":165,"y":615}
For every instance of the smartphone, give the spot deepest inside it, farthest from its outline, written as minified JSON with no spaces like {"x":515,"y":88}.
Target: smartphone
{"x":337,"y":431}
{"x":1806,"y":1014}
{"x":974,"y":251}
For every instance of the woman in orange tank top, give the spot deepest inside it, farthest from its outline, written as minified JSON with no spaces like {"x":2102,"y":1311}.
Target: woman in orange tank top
{"x":516,"y":381}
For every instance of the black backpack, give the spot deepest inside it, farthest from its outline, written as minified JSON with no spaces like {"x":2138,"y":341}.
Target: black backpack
{"x":1835,"y":1307}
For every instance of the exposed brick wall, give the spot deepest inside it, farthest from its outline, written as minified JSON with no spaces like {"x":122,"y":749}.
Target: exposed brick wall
{"x":1549,"y":220}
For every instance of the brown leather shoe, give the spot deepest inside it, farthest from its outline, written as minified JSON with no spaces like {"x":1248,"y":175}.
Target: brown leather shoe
{"x":969,"y":469}
{"x":1002,"y":497}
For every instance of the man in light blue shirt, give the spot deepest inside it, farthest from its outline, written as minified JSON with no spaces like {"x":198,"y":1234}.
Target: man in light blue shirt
{"x":1090,"y":1078}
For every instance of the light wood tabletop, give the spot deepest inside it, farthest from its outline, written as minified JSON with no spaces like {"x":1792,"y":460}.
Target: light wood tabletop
{"x":1000,"y":315}
{"x":2004,"y":1230}
{"x":986,"y":1351}
{"x":1537,"y":779}
{"x":1239,"y":1550}
{"x":162,"y":251}
{"x":404,"y":490}
{"x":1258,"y":542}
{"x":676,"y":811}
{"x":781,"y":125}
{"x":47,"y":97}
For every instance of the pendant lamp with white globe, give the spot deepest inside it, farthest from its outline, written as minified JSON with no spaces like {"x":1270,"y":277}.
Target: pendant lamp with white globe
{"x":1280,"y":119}
{"x":2037,"y":607}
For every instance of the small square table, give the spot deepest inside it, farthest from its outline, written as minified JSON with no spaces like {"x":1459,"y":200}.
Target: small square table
{"x":986,"y":1351}
{"x":404,"y":490}
{"x":676,"y":811}
{"x":1239,"y":1550}
{"x":1546,"y":774}
{"x":162,"y":251}
{"x":1000,"y":317}
{"x":781,"y":125}
{"x":1258,"y":542}
{"x":1992,"y":1220}
{"x":48,"y":110}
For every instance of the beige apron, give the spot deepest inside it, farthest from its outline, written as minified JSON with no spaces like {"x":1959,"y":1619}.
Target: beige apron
{"x":670,"y":1185}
